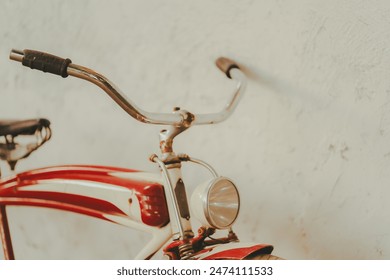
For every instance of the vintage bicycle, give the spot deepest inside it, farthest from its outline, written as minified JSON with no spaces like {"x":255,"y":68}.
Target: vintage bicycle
{"x":149,"y":202}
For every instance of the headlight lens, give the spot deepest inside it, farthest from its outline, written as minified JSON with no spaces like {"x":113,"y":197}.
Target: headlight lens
{"x":216,"y":203}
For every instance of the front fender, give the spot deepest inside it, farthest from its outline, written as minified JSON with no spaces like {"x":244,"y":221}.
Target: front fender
{"x":234,"y":251}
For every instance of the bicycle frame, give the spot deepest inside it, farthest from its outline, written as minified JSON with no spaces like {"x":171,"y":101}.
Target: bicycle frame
{"x":123,"y":196}
{"x":153,"y":203}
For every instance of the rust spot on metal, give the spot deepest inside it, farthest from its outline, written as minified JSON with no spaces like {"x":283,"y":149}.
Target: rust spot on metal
{"x":166,"y":146}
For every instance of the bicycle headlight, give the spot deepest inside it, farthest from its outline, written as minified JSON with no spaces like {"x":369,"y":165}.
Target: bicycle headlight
{"x":216,"y":203}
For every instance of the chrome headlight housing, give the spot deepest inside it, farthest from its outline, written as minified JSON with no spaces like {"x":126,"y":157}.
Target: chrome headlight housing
{"x":216,"y":203}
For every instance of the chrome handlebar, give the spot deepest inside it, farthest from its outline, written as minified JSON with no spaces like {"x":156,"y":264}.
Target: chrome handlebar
{"x":64,"y":67}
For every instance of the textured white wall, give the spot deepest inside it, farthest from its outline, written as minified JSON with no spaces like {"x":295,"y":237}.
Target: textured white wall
{"x":308,"y":145}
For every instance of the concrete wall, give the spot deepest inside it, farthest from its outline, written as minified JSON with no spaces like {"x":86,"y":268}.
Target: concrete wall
{"x":308,"y":145}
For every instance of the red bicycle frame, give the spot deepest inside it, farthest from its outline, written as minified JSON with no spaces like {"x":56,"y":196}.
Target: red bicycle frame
{"x":153,"y":203}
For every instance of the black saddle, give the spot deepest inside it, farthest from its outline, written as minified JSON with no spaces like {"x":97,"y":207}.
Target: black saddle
{"x":22,"y":127}
{"x":35,"y":132}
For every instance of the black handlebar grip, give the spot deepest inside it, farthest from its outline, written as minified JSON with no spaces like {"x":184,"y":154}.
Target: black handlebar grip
{"x":46,"y":62}
{"x":225,"y":65}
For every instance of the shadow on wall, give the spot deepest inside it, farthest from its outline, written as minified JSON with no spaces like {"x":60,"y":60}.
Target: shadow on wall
{"x":265,"y":79}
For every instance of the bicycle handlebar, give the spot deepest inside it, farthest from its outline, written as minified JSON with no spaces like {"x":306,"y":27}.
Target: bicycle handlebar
{"x":64,"y":67}
{"x":42,"y":61}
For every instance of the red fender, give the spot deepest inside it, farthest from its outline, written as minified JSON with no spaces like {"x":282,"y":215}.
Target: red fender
{"x":234,"y":251}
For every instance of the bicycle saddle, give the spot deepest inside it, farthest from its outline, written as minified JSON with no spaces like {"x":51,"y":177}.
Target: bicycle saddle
{"x":22,"y":127}
{"x":34,"y":133}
